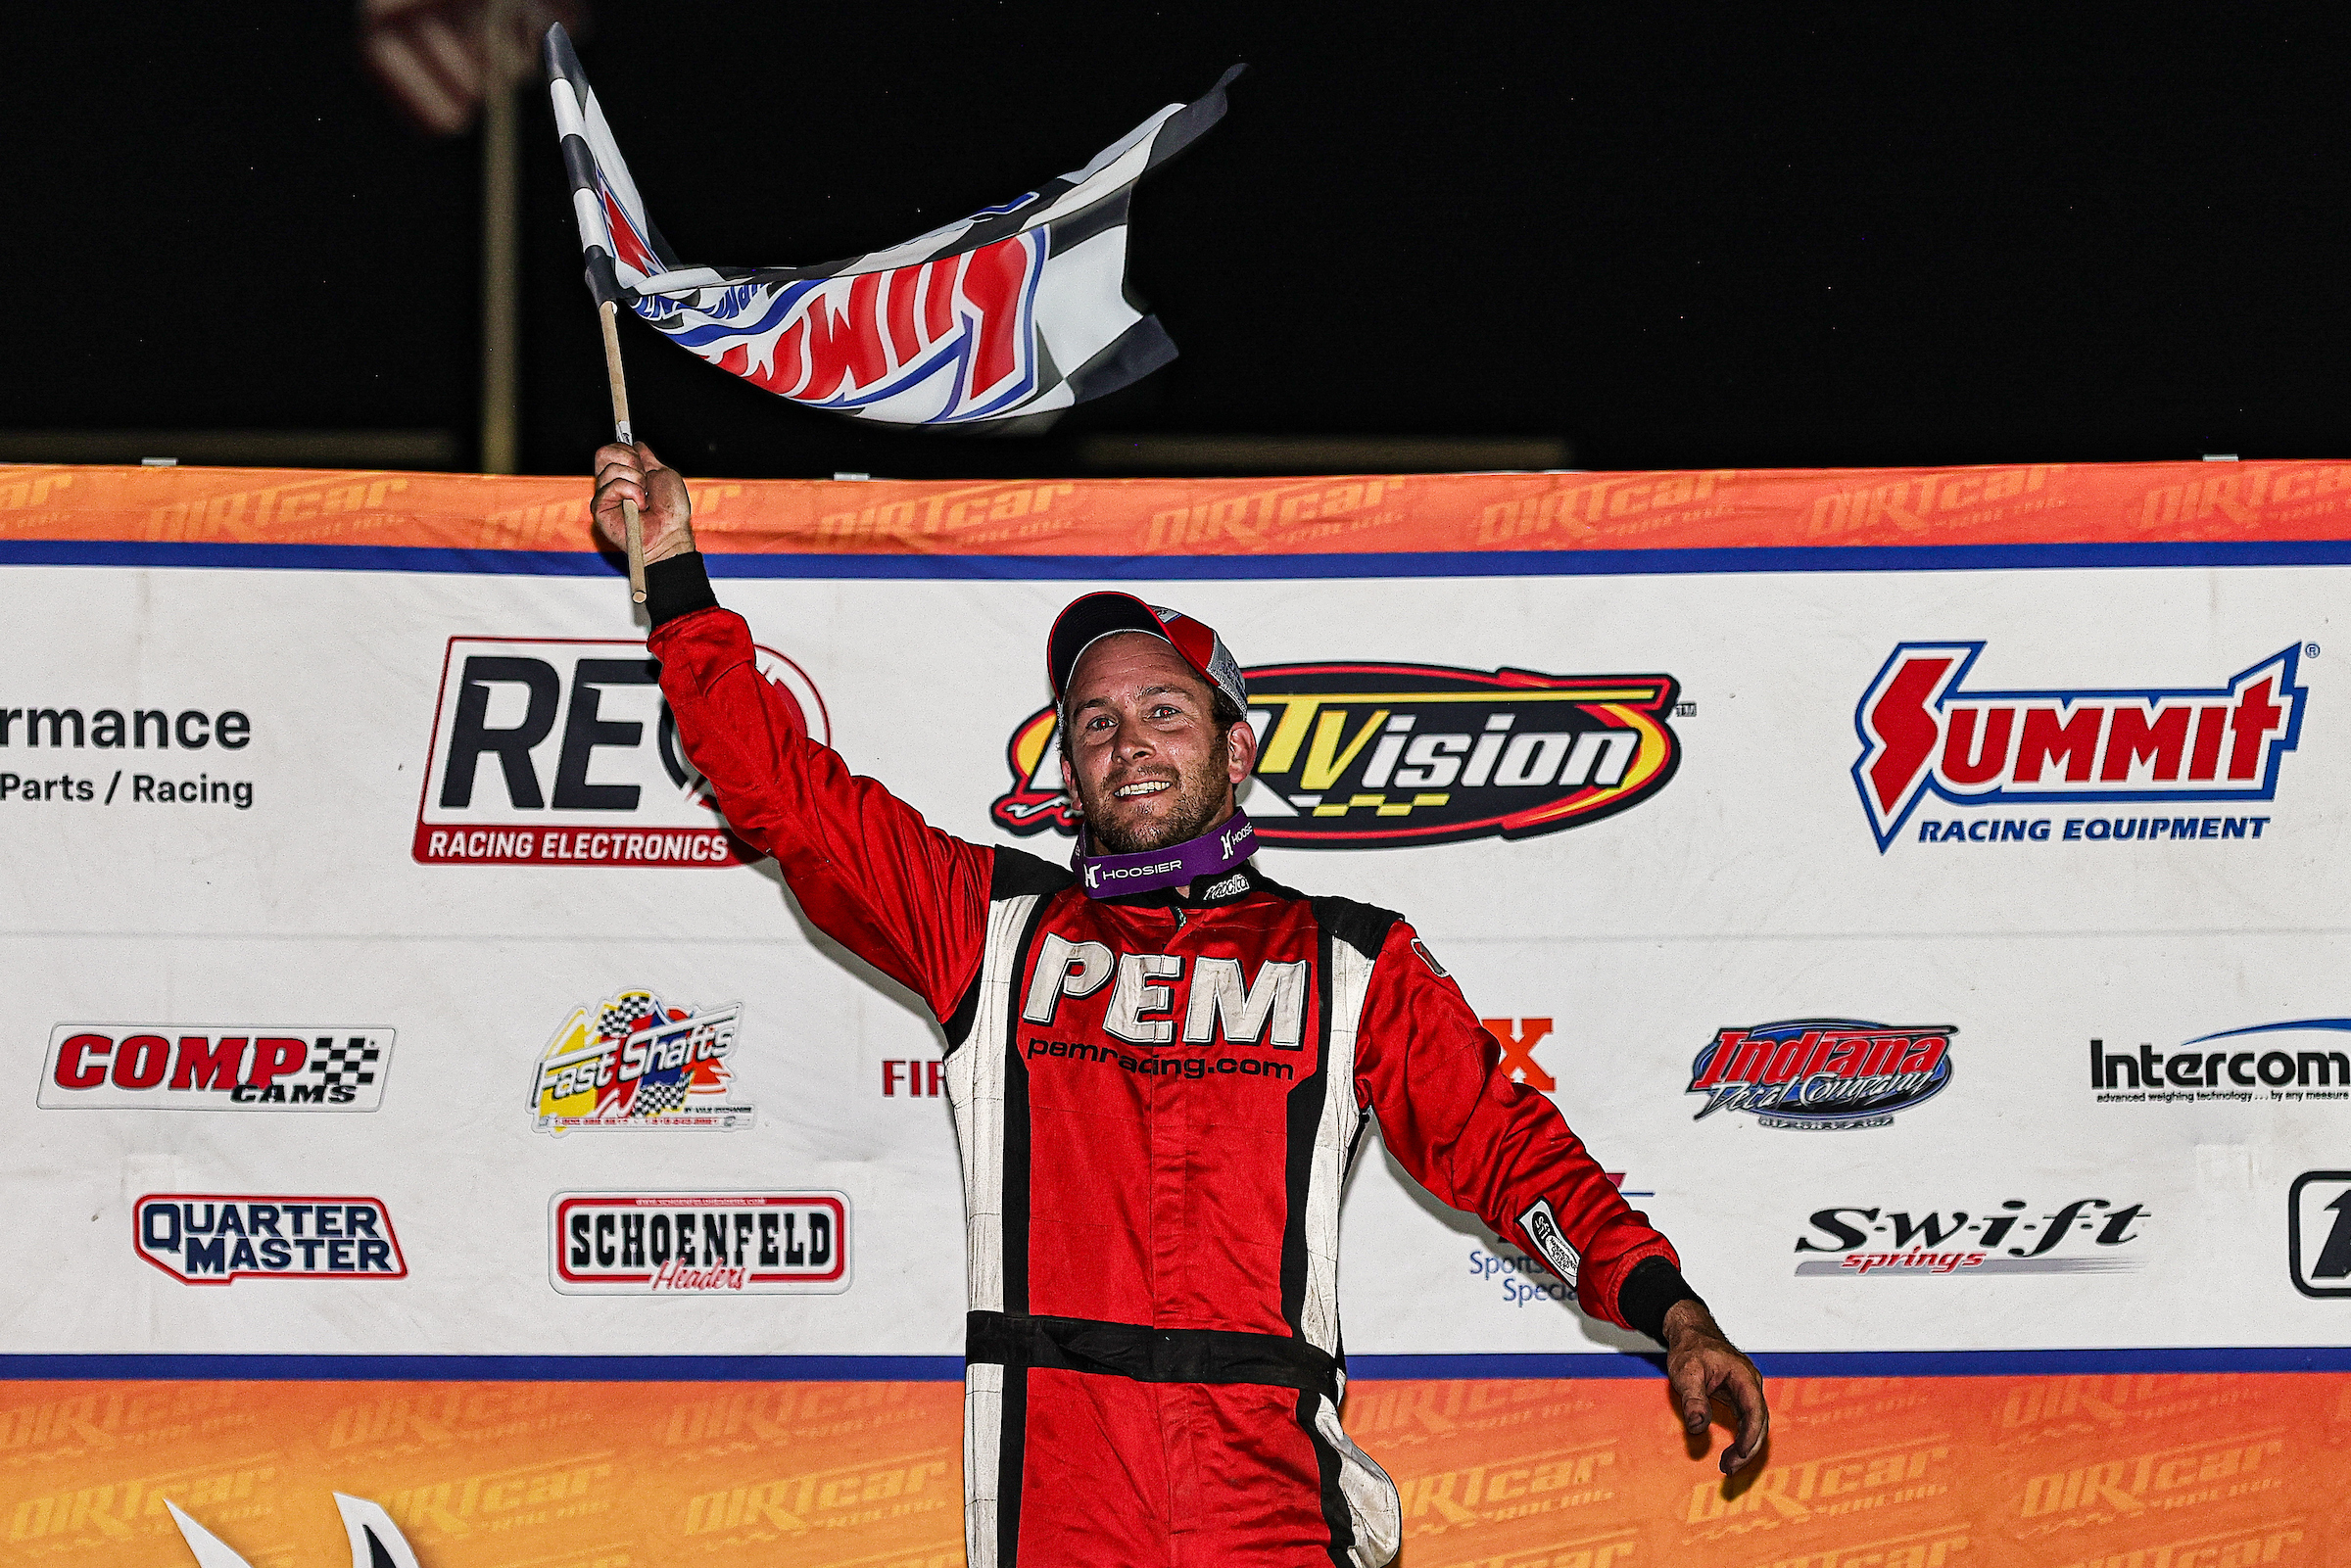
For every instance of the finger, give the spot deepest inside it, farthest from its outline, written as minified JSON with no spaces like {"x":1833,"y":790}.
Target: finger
{"x":650,"y":461}
{"x":613,"y":451}
{"x":1691,"y":1395}
{"x":1746,"y":1392}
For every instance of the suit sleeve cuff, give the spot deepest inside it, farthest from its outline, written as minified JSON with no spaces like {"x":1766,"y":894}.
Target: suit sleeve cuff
{"x":1649,"y":1292}
{"x":677,"y":587}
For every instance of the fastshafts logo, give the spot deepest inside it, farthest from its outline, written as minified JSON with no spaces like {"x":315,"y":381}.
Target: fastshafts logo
{"x":632,"y":1060}
{"x":1358,"y":755}
{"x":2011,"y":1238}
{"x":560,"y":751}
{"x":210,"y":1067}
{"x":1923,"y":733}
{"x":1831,"y":1074}
{"x":700,"y":1243}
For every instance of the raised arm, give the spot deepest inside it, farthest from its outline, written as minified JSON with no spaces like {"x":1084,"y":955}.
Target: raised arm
{"x":866,"y":869}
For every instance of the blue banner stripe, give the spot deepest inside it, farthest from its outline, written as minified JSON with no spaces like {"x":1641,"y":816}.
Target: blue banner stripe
{"x":1205,"y":568}
{"x":949,"y":1368}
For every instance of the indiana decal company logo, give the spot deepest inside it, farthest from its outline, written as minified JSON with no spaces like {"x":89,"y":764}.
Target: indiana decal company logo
{"x":1922,"y":735}
{"x":209,"y":1238}
{"x":700,"y":1243}
{"x":1824,"y":1074}
{"x":375,"y":1541}
{"x":212,"y":1066}
{"x":635,"y":1061}
{"x":505,"y":783}
{"x":1361,"y":755}
{"x":2074,"y":1239}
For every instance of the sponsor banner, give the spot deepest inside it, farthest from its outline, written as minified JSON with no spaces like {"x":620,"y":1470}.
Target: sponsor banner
{"x":2086,"y":1236}
{"x":2301,"y":1060}
{"x":1823,"y":1075}
{"x":212,"y":1066}
{"x":2318,"y":1231}
{"x":633,"y":1061}
{"x":700,"y":1243}
{"x":214,"y":1238}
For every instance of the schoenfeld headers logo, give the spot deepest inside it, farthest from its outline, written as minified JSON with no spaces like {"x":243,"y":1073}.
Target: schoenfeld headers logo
{"x":1361,"y":756}
{"x":559,"y":751}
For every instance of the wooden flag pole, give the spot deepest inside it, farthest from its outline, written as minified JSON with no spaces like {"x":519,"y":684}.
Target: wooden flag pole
{"x":633,"y":523}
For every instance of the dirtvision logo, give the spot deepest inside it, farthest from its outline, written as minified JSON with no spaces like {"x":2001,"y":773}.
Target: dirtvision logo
{"x":2076,"y":1239}
{"x":1922,"y":735}
{"x":2301,"y":1060}
{"x":700,"y":1243}
{"x":212,"y":1066}
{"x":209,"y":1238}
{"x":1364,"y":755}
{"x":1824,"y":1074}
{"x":559,"y":751}
{"x":634,"y":1061}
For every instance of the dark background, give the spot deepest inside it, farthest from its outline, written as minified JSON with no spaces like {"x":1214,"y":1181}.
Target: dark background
{"x":1675,"y":237}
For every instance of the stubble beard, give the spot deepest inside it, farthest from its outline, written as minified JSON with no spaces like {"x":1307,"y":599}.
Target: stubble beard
{"x":1198,"y":802}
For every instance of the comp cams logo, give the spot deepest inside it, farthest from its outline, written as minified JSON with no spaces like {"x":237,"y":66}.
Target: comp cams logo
{"x":2076,"y":1238}
{"x":635,"y":1061}
{"x":2302,"y":1060}
{"x":560,"y":751}
{"x":700,"y":1243}
{"x":212,"y":1066}
{"x":209,"y":1238}
{"x":1922,"y":735}
{"x":1361,"y":755}
{"x":1826,"y":1074}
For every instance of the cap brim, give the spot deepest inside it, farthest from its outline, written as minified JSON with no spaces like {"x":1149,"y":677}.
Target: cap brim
{"x":1086,"y":619}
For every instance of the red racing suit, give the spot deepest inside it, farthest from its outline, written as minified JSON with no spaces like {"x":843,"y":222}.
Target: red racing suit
{"x":1157,"y":1102}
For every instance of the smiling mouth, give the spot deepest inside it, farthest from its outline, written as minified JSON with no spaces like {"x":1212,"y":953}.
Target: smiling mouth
{"x":1142,"y":790}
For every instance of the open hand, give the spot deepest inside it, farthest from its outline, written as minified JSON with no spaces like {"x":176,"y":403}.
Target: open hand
{"x":634,"y":473}
{"x":1702,"y":1367}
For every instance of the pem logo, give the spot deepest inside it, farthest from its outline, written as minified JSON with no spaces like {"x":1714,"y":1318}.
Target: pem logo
{"x":209,"y":1238}
{"x":1923,"y":733}
{"x":560,"y":751}
{"x":1356,"y":755}
{"x":212,"y":1066}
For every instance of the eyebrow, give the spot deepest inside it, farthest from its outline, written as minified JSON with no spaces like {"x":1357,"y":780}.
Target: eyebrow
{"x":1160,"y":690}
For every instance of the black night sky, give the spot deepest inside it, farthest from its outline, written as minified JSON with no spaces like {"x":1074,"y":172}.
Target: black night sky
{"x":1674,"y":236}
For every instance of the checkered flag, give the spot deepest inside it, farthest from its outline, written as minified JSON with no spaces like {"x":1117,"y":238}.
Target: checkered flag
{"x":654,"y":1099}
{"x":618,"y":1018}
{"x":353,"y":1062}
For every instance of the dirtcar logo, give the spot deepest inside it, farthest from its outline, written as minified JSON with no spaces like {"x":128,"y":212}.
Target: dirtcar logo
{"x":1828,"y":1074}
{"x":375,"y":1541}
{"x":634,"y":1061}
{"x":212,"y":1066}
{"x":559,"y":751}
{"x":1361,"y":755}
{"x":2002,"y":1242}
{"x":701,"y":1243}
{"x":209,"y":1238}
{"x":1921,"y":734}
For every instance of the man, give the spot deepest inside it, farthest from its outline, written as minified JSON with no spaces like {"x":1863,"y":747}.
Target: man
{"x":1160,"y":1065}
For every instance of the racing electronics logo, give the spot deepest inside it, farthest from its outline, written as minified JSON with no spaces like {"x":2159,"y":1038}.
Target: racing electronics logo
{"x":1921,"y":734}
{"x":700,"y":1243}
{"x":2318,"y":1232}
{"x":1363,"y":755}
{"x":634,"y":1061}
{"x":2073,"y":1239}
{"x":507,"y":784}
{"x":209,"y":1238}
{"x":375,"y":1541}
{"x":212,"y":1066}
{"x":1826,"y":1074}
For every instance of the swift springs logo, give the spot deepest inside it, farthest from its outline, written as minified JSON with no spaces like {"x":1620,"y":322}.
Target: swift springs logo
{"x":210,"y":1067}
{"x":1364,"y":755}
{"x":1826,"y":1074}
{"x":209,"y":1238}
{"x":700,"y":1243}
{"x":635,"y":1061}
{"x":2077,"y":1238}
{"x":2165,"y":749}
{"x":505,"y":783}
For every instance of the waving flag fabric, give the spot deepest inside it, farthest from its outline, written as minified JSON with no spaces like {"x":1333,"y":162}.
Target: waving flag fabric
{"x":998,"y":321}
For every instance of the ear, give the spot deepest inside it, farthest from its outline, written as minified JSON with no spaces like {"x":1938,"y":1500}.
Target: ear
{"x":1240,"y":752}
{"x":1069,"y":788}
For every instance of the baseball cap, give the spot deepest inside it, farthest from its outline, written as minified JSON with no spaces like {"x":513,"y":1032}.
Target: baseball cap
{"x":1088,"y":620}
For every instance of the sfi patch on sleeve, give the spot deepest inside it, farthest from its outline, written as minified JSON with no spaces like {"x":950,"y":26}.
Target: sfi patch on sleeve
{"x":1430,"y":959}
{"x":1543,"y":1229}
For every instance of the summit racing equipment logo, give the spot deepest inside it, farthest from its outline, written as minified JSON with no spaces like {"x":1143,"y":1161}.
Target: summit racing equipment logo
{"x":634,"y":1061}
{"x":1361,"y":756}
{"x":505,"y":783}
{"x":207,"y":1238}
{"x":700,"y":1243}
{"x":1921,"y":734}
{"x":1826,"y":1074}
{"x":210,"y":1067}
{"x":1936,"y":1242}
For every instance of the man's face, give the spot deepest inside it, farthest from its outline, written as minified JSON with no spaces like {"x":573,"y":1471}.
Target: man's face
{"x":1144,"y":757}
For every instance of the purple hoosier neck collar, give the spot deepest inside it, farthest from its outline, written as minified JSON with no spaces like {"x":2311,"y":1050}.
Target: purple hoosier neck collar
{"x":1218,"y":850}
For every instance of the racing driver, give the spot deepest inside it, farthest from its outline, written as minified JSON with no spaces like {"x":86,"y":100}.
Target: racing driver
{"x":1160,"y":1062}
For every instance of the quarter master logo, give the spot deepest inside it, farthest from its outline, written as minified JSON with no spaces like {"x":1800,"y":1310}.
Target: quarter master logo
{"x":1361,"y":755}
{"x":560,"y":751}
{"x":2165,"y":749}
{"x":635,"y":1061}
{"x":209,"y":1238}
{"x":700,"y":1243}
{"x":212,"y":1066}
{"x":1826,"y":1074}
{"x":2076,"y":1238}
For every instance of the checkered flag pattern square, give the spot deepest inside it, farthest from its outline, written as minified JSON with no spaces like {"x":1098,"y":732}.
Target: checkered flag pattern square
{"x":352,"y":1062}
{"x":618,"y":1016}
{"x":653,"y":1099}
